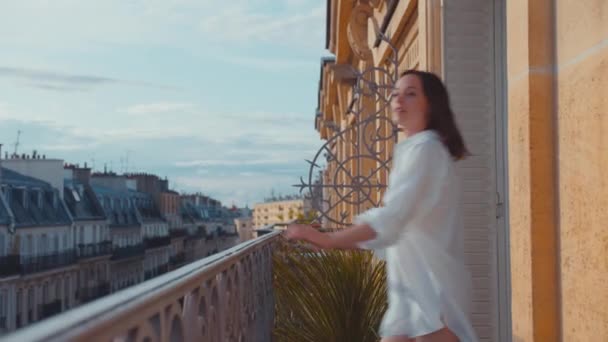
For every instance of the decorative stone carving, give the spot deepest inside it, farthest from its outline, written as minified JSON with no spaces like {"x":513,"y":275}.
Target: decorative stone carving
{"x":357,"y":31}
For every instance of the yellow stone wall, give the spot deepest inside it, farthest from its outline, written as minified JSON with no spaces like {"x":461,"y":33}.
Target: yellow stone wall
{"x":582,"y":123}
{"x":558,"y":162}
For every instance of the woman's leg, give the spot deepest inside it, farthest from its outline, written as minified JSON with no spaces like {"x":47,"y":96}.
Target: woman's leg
{"x":397,"y":339}
{"x":443,"y":335}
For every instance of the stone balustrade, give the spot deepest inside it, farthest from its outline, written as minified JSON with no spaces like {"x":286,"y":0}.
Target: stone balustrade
{"x":224,"y":297}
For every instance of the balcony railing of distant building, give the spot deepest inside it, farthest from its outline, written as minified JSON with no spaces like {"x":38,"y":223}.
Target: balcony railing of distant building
{"x":93,"y":250}
{"x":87,"y":294}
{"x":198,"y":234}
{"x":128,"y":252}
{"x":9,"y":265}
{"x":49,"y":309}
{"x":161,"y":269}
{"x":33,"y":264}
{"x":178,"y":259}
{"x":225,"y":297}
{"x":157,"y":241}
{"x":176,"y":233}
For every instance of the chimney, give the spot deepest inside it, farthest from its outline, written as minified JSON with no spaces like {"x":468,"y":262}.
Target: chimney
{"x":82,"y":174}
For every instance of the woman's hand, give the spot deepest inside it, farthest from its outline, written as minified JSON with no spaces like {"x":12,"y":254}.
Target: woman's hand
{"x":343,"y":239}
{"x":299,"y":232}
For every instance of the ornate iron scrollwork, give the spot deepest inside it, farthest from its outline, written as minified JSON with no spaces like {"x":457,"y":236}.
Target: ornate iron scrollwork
{"x":373,"y":87}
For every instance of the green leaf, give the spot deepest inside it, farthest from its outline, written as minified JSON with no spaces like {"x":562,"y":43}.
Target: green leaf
{"x":327,"y":296}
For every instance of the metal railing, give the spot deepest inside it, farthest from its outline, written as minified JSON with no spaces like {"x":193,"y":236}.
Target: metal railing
{"x":49,"y":309}
{"x":87,"y":294}
{"x":157,"y":241}
{"x":9,"y":265}
{"x":93,"y":250}
{"x":225,"y":297}
{"x":175,"y":233}
{"x":178,"y":259}
{"x":128,"y":252}
{"x":40,"y":263}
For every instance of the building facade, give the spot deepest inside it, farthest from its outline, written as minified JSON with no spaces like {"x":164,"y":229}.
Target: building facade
{"x":68,"y":236}
{"x":279,"y":211}
{"x":527,"y":81}
{"x":244,"y":227}
{"x":91,"y":232}
{"x":114,"y":192}
{"x":38,"y":276}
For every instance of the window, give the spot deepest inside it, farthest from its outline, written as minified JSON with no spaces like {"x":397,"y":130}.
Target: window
{"x":29,"y":245}
{"x":30,"y":303}
{"x":3,"y":308}
{"x":76,"y":195}
{"x":2,"y":245}
{"x":41,"y":245}
{"x":19,"y":196}
{"x":66,"y":291}
{"x":45,"y":293}
{"x":56,"y":241}
{"x":19,"y":303}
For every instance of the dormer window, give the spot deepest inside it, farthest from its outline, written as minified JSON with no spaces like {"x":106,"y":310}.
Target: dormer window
{"x":50,"y":198}
{"x":19,"y":196}
{"x":76,"y":195}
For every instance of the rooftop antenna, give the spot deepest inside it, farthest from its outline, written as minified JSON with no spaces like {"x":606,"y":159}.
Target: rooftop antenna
{"x":127,"y":161}
{"x":17,"y":141}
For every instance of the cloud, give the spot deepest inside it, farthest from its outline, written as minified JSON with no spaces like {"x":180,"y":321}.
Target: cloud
{"x":271,"y":64}
{"x":61,"y":81}
{"x":246,"y":24}
{"x":156,"y":108}
{"x":227,"y":162}
{"x":241,"y":189}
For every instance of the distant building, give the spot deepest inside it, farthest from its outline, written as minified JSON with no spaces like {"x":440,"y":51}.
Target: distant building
{"x":126,"y":231}
{"x":92,"y":237}
{"x":38,"y":269}
{"x":280,"y":211}
{"x":244,"y":227}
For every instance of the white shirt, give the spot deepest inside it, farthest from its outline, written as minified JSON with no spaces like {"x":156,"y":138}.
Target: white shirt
{"x":419,"y":227}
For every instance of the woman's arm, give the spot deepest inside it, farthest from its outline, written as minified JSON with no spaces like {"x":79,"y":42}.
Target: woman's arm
{"x":344,"y":239}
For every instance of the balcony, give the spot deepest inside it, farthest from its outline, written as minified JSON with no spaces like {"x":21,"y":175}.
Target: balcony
{"x":162,"y":269}
{"x":93,"y":250}
{"x":92,"y":293}
{"x":49,"y":309}
{"x":225,"y":297}
{"x":33,"y":264}
{"x":178,"y":259}
{"x":128,"y":252}
{"x":9,"y":265}
{"x":176,"y":233}
{"x":157,"y":241}
{"x":199,"y":234}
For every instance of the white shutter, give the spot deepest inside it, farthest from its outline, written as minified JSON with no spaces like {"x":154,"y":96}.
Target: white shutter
{"x":469,"y":71}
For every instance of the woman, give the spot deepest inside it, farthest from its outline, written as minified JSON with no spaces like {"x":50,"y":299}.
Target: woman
{"x":419,"y":225}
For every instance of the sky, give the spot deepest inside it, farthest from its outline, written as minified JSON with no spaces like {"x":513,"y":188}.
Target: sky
{"x":217,"y":96}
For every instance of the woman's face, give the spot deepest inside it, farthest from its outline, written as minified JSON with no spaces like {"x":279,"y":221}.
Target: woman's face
{"x":408,"y":103}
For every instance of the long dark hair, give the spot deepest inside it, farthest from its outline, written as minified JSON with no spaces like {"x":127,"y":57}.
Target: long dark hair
{"x":440,"y":117}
